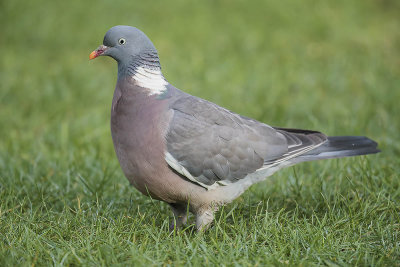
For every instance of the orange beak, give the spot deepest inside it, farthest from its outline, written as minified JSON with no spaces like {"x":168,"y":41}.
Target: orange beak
{"x":98,"y":52}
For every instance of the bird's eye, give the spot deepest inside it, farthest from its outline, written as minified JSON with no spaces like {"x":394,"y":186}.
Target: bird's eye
{"x":121,"y":41}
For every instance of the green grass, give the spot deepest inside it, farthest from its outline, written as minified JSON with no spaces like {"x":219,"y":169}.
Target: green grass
{"x":326,"y":65}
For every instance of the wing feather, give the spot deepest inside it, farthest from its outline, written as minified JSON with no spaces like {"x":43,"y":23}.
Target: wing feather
{"x":213,"y":146}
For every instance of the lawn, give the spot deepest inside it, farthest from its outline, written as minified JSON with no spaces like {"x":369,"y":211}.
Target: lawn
{"x":332,"y":66}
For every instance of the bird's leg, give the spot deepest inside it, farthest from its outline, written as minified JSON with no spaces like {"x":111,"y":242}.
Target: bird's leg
{"x":204,"y":219}
{"x":180,"y":216}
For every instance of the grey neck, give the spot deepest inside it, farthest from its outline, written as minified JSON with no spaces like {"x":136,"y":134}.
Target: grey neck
{"x":148,"y":60}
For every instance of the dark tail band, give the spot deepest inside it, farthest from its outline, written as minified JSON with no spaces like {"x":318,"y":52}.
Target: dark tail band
{"x":339,"y":147}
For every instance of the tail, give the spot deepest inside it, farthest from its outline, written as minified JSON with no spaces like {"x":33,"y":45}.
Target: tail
{"x":339,"y":147}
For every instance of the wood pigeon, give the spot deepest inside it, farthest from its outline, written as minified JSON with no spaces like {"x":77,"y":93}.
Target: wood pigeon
{"x":192,"y":153}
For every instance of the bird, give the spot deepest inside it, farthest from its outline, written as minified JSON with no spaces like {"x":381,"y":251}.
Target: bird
{"x":189,"y":152}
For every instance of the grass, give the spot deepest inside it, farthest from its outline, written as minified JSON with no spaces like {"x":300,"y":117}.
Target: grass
{"x":332,"y":66}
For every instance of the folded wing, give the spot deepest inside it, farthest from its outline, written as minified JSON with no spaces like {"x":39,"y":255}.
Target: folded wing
{"x":213,"y":146}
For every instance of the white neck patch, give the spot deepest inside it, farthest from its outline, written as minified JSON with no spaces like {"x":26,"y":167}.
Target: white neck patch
{"x":152,"y":80}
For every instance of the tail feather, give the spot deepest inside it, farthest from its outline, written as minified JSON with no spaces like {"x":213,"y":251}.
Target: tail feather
{"x":339,"y":147}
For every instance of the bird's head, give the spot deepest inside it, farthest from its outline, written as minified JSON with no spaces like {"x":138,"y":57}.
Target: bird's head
{"x":122,"y":43}
{"x":136,"y":56}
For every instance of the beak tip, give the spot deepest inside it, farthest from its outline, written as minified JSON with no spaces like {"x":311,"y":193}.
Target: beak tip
{"x":93,"y":55}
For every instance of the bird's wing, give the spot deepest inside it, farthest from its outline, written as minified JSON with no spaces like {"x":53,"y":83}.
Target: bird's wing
{"x":212,"y":146}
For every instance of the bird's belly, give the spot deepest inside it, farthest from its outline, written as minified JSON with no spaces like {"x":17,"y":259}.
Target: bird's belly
{"x":141,"y":157}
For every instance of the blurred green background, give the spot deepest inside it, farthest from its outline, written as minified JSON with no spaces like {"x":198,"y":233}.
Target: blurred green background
{"x":332,"y":66}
